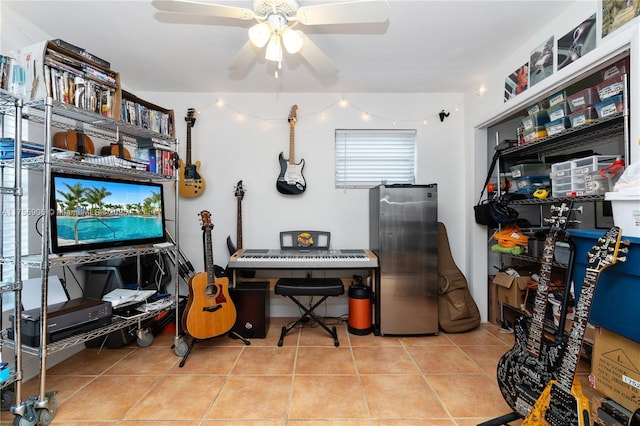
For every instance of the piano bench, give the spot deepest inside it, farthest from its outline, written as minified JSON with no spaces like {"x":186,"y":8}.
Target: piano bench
{"x":323,"y":287}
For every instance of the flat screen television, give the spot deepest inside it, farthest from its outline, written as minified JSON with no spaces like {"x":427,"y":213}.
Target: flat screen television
{"x":92,"y":213}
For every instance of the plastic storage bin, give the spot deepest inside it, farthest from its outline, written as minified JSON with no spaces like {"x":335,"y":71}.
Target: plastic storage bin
{"x":534,"y":134}
{"x":557,"y":126}
{"x":28,"y":149}
{"x":559,"y":110}
{"x":609,"y":106}
{"x":610,"y":87}
{"x":530,"y":169}
{"x":626,"y":212}
{"x":536,"y":119}
{"x":538,"y":107}
{"x":556,"y":98}
{"x":595,"y":184}
{"x":527,"y":185}
{"x":582,"y":99}
{"x":615,"y":302}
{"x":583,"y":116}
{"x":618,"y":68}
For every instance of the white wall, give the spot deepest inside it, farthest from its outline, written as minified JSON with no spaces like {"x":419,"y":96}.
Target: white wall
{"x":484,"y":110}
{"x":231,"y":149}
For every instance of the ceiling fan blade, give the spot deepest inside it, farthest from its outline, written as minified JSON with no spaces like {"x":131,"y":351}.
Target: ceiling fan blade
{"x":197,"y":8}
{"x":354,"y":12}
{"x":316,"y":58}
{"x":243,"y":60}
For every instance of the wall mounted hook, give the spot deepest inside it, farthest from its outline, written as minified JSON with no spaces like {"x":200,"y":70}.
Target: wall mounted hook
{"x":443,"y":115}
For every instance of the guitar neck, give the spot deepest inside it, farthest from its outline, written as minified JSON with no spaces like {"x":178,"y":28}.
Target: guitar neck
{"x":571,"y":356}
{"x":239,"y":222}
{"x":188,"y":156}
{"x":208,"y":253}
{"x":534,"y":341}
{"x":291,"y":144}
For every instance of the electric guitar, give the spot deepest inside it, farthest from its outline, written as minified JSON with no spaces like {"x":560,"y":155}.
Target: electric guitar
{"x":210,"y":311}
{"x":562,"y":402}
{"x":239,"y":193}
{"x":191,"y":184}
{"x":525,"y":369}
{"x":290,"y":181}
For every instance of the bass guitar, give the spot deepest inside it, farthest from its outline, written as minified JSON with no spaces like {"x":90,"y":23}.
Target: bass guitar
{"x":525,"y":369}
{"x":239,"y":193}
{"x":210,"y":312}
{"x":562,"y":402}
{"x":191,"y":184}
{"x":291,"y":181}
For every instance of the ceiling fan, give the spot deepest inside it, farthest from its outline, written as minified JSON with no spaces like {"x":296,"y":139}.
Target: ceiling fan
{"x":276,"y":20}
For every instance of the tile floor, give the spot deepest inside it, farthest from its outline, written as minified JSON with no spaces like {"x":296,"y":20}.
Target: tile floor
{"x":448,"y":379}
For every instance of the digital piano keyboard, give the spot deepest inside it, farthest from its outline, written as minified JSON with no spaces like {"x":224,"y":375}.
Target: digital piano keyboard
{"x":302,"y":259}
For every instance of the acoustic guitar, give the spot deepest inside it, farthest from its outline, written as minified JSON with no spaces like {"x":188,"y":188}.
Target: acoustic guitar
{"x":239,"y":193}
{"x":525,"y":369}
{"x":562,"y":402}
{"x":75,"y":141}
{"x":116,"y":149}
{"x":291,"y":181}
{"x":191,"y":183}
{"x":210,"y":311}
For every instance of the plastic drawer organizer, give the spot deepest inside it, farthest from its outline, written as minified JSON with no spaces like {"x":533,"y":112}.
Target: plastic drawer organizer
{"x":568,"y":177}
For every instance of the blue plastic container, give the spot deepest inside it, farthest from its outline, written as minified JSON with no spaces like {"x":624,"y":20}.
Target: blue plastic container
{"x":616,"y":300}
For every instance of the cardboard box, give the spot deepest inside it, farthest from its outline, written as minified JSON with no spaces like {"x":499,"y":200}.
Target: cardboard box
{"x":615,"y":370}
{"x":510,"y":288}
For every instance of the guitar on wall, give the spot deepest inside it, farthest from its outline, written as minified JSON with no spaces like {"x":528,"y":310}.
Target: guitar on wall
{"x":239,"y":193}
{"x":191,"y":184}
{"x":210,"y":312}
{"x":562,"y":402}
{"x":291,"y":181}
{"x":525,"y":369}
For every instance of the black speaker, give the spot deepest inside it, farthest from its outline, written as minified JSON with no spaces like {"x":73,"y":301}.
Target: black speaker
{"x":251,"y":300}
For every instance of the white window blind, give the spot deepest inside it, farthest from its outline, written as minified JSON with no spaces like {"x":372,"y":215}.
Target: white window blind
{"x":365,"y":158}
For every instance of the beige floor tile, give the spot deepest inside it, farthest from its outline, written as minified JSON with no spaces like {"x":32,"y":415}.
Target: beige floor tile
{"x":469,"y":395}
{"x":384,"y":360}
{"x":327,"y":397}
{"x":383,"y":393}
{"x":373,"y":340}
{"x":440,"y":339}
{"x":173,"y":397}
{"x":151,"y":360}
{"x":252,"y":398}
{"x":324,"y":360}
{"x":313,"y":334}
{"x":90,"y":361}
{"x":424,"y":422}
{"x":265,"y":360}
{"x":207,"y":360}
{"x":106,"y":398}
{"x":478,"y":336}
{"x":443,"y":360}
{"x":486,"y":357}
{"x":65,"y":386}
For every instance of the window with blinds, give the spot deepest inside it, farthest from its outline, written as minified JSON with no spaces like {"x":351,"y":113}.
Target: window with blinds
{"x":366,"y":158}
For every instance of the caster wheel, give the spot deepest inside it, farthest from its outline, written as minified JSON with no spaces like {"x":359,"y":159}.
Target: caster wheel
{"x":21,"y":421}
{"x":45,"y":416}
{"x":145,"y":338}
{"x":180,"y":348}
{"x":8,"y":399}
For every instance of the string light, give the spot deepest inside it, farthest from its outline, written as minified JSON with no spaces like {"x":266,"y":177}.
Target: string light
{"x":323,"y":115}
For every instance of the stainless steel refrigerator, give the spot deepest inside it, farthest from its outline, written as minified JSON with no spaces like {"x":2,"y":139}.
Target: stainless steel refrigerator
{"x":403,"y":234}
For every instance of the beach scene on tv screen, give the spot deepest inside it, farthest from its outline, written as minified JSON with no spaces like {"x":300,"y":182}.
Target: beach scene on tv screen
{"x":101,"y":212}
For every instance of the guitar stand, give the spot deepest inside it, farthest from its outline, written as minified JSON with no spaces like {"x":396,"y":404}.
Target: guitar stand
{"x":233,"y":335}
{"x":502,"y":420}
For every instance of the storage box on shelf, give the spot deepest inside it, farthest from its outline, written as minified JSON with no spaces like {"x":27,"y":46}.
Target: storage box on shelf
{"x":582,"y":116}
{"x":537,"y":119}
{"x":609,"y":106}
{"x":583,"y":99}
{"x":556,"y":98}
{"x":568,"y":178}
{"x":530,"y":169}
{"x":557,"y":126}
{"x":625,"y":206}
{"x":534,"y":134}
{"x":610,"y":87}
{"x":559,"y":110}
{"x":71,"y":78}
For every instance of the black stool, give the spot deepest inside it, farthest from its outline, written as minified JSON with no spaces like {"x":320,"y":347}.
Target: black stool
{"x":323,"y":287}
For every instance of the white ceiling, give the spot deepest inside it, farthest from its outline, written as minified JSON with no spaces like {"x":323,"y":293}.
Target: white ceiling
{"x":425,"y":46}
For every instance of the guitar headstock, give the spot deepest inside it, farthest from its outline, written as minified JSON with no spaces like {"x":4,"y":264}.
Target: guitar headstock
{"x":191,"y":117}
{"x":205,"y":220}
{"x":239,"y":190}
{"x":606,"y":252}
{"x":293,"y":115}
{"x":559,"y":216}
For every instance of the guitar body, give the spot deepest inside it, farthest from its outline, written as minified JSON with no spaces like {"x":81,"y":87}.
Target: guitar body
{"x":191,"y":183}
{"x":74,"y":141}
{"x":290,"y":181}
{"x":209,"y":312}
{"x":521,"y":376}
{"x":555,"y":407}
{"x":117,"y":150}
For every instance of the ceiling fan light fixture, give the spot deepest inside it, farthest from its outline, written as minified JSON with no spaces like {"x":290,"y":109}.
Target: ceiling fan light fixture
{"x":274,"y":49}
{"x":292,"y":40}
{"x":259,"y":34}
